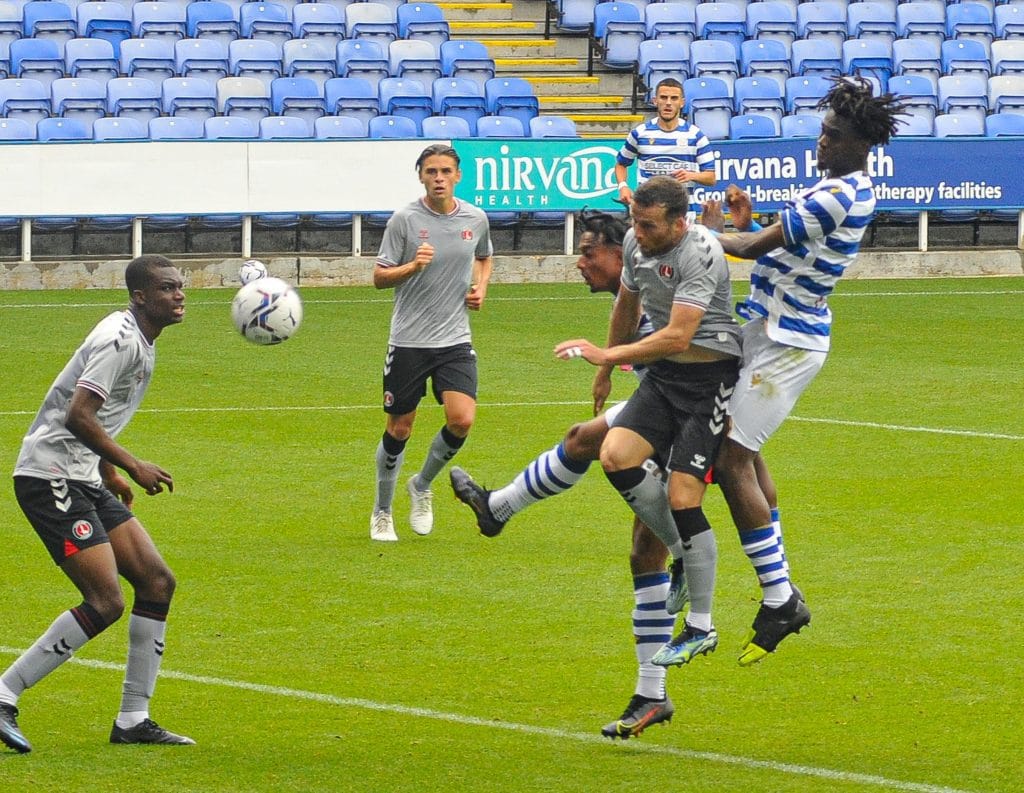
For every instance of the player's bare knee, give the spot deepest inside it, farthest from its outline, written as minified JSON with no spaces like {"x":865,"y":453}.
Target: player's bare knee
{"x":581,"y":443}
{"x":108,"y":604}
{"x":160,"y":585}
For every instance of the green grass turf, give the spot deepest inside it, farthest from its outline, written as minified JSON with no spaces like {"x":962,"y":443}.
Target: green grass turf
{"x":303,"y":657}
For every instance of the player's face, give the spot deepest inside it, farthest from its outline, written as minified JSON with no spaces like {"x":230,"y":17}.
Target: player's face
{"x":600,"y":264}
{"x":162,"y":301}
{"x":655,"y":233}
{"x":669,"y":101}
{"x":439,"y":174}
{"x":840,"y":149}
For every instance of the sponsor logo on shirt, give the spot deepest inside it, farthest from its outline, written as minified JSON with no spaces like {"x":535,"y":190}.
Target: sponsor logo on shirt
{"x":424,"y":234}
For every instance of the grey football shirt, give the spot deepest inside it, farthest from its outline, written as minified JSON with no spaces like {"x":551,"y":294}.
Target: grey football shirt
{"x":430,"y":306}
{"x":694,"y":272}
{"x":115,"y":361}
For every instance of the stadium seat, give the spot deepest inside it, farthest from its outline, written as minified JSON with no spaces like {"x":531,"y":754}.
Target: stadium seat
{"x":801,"y":126}
{"x":720,"y":22}
{"x":119,"y":129}
{"x":511,"y":96}
{"x":766,"y":58}
{"x":318,"y":22}
{"x":772,"y":20}
{"x":414,"y":60}
{"x":916,"y":21}
{"x":158,"y":19}
{"x":950,"y":125}
{"x":363,"y":59}
{"x":1008,"y":56}
{"x":284,"y":127}
{"x":373,"y":21}
{"x":16,"y":129}
{"x":11,"y":28}
{"x":312,"y":59}
{"x":149,"y":58}
{"x":618,"y":30}
{"x":28,"y":100}
{"x":257,"y":59}
{"x":78,"y":97}
{"x":49,"y":19}
{"x":265,"y":22}
{"x":92,"y":58}
{"x":467,"y":58}
{"x":816,"y":57}
{"x":553,"y":127}
{"x":575,"y":16}
{"x":205,"y":59}
{"x":37,"y":59}
{"x":100,"y":19}
{"x":423,"y":21}
{"x":408,"y":98}
{"x":761,"y":96}
{"x":63,"y":129}
{"x":330,"y":127}
{"x":998,"y":125}
{"x":134,"y":97}
{"x":1009,"y":21}
{"x":918,"y":95}
{"x":917,"y":56}
{"x":964,"y":94}
{"x":715,"y":59}
{"x":1006,"y":93}
{"x":965,"y":56}
{"x":461,"y":97}
{"x":822,"y":20}
{"x":868,"y":57}
{"x":971,"y":20}
{"x":351,"y":96}
{"x":752,"y":125}
{"x":189,"y":97}
{"x":661,"y":58}
{"x":671,"y":21}
{"x":297,"y":97}
{"x":247,"y":97}
{"x":871,"y":20}
{"x":391,"y":127}
{"x":710,"y":105}
{"x":804,"y":93}
{"x":914,"y":126}
{"x":446,"y":127}
{"x":500,"y":127}
{"x":175,"y":128}
{"x":212,"y":19}
{"x":220,"y":127}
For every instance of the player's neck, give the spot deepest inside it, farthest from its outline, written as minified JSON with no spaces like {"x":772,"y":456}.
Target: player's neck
{"x":148,"y":329}
{"x":442,"y":206}
{"x":668,"y":124}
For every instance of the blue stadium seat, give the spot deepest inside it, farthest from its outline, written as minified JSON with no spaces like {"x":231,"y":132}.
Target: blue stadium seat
{"x":297,"y":97}
{"x":211,"y":19}
{"x":671,"y":20}
{"x":446,"y":127}
{"x":374,"y":21}
{"x":871,"y":20}
{"x":408,"y":98}
{"x":965,"y":56}
{"x":283,"y":127}
{"x":246,"y":97}
{"x":752,"y":125}
{"x":868,"y":57}
{"x":149,"y":58}
{"x":760,"y":96}
{"x":816,"y":57}
{"x":415,"y":60}
{"x":917,"y":56}
{"x":63,"y":129}
{"x":205,"y":59}
{"x":459,"y":97}
{"x":511,"y":96}
{"x":772,"y":21}
{"x":917,"y":94}
{"x":822,"y":20}
{"x":804,"y":92}
{"x":318,"y":22}
{"x":550,"y":126}
{"x":255,"y":58}
{"x":921,"y":21}
{"x":1009,"y":21}
{"x":100,"y":19}
{"x":801,"y":126}
{"x":710,"y":105}
{"x":766,"y":58}
{"x":221,"y":127}
{"x":423,"y":21}
{"x":1006,"y":93}
{"x":189,"y":97}
{"x":717,"y":59}
{"x":37,"y":59}
{"x":721,"y":22}
{"x":119,"y":129}
{"x":49,"y":19}
{"x":313,"y":59}
{"x":391,"y":127}
{"x":266,"y":22}
{"x":618,"y":30}
{"x":575,"y":16}
{"x":1008,"y":56}
{"x":918,"y":126}
{"x":365,"y":59}
{"x":964,"y":94}
{"x":28,"y":100}
{"x":352,"y":96}
{"x":158,"y":19}
{"x":998,"y":125}
{"x":11,"y":29}
{"x":93,"y":58}
{"x":17,"y":129}
{"x":331,"y":127}
{"x":78,"y":97}
{"x":467,"y":58}
{"x":971,"y":21}
{"x":500,"y":127}
{"x":661,"y":58}
{"x":175,"y":128}
{"x":134,"y":97}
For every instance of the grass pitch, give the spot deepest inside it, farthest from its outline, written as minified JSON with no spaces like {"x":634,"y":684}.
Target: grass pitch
{"x":303,"y":657}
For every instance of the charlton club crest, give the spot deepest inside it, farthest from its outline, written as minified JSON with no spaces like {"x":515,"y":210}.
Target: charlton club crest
{"x":665,"y":271}
{"x":467,"y":234}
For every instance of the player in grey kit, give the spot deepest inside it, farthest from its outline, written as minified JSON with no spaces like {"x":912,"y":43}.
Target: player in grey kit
{"x":67,"y":485}
{"x":678,"y":275}
{"x":436,"y":254}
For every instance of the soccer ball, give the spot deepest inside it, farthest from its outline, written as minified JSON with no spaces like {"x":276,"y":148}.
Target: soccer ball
{"x":251,"y":270}
{"x":267,"y":311}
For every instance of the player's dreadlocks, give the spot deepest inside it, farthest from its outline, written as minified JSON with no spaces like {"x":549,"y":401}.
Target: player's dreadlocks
{"x":874,"y":117}
{"x":608,"y":227}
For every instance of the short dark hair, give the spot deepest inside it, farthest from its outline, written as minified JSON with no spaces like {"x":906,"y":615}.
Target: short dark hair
{"x":438,"y":150}
{"x":140,"y":271}
{"x":664,"y":191}
{"x":873,"y":117}
{"x":609,"y":227}
{"x":671,"y":82}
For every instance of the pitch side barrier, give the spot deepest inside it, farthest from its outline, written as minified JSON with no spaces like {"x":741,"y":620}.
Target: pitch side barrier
{"x":153,"y":178}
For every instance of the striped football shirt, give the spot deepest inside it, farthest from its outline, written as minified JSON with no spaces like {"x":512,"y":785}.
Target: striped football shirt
{"x":660,"y":153}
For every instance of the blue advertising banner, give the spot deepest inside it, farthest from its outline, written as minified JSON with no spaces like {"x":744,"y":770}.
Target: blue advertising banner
{"x":909,"y":173}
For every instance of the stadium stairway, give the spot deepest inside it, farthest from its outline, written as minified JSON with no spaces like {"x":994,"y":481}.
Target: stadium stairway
{"x":554,"y":64}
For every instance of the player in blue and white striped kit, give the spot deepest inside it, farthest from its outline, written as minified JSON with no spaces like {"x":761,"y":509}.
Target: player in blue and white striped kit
{"x":800,"y":258}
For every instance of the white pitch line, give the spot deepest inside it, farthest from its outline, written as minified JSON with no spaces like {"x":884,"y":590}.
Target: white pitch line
{"x":575,"y":403}
{"x":529,"y":729}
